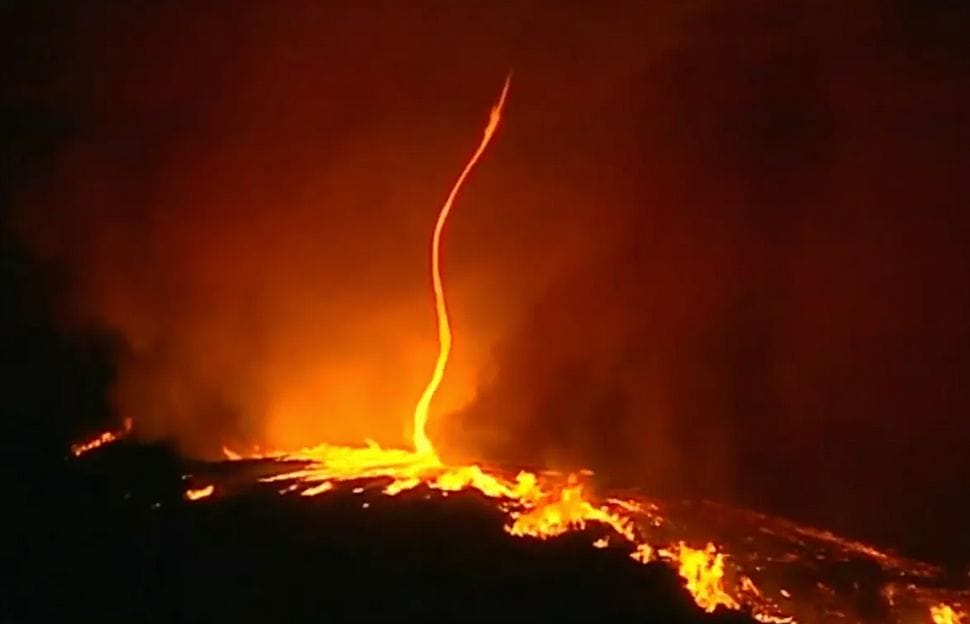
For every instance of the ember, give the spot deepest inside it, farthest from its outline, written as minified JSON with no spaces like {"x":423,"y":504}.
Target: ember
{"x":106,"y":437}
{"x":199,"y":493}
{"x":944,"y":614}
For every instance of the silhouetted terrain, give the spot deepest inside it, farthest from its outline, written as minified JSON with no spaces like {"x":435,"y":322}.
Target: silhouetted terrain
{"x":114,"y":541}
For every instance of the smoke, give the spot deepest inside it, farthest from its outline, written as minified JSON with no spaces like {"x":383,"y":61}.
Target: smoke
{"x":778,"y":314}
{"x":715,"y":249}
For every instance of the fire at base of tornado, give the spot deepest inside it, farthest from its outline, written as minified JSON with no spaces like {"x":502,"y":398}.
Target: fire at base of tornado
{"x":536,"y":506}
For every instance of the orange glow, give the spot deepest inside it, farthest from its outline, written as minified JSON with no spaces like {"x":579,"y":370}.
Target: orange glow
{"x":199,"y":493}
{"x":567,"y":510}
{"x":703,"y":569}
{"x":420,"y":437}
{"x":230,"y":454}
{"x":537,"y":506}
{"x":643,"y":553}
{"x":945,"y":614}
{"x":101,"y":439}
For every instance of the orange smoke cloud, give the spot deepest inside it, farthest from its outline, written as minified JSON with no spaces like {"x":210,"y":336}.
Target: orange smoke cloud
{"x":719,"y":251}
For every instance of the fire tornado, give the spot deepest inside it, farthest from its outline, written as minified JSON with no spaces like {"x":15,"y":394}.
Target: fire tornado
{"x":422,"y":444}
{"x":546,"y":505}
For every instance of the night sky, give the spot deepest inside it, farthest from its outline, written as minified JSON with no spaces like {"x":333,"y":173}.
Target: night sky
{"x":716,"y":250}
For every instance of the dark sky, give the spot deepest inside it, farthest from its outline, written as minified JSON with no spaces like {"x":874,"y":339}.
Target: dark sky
{"x":716,"y":249}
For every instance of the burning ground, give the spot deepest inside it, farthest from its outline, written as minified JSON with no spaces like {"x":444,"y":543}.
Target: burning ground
{"x":136,"y":550}
{"x":728,"y":559}
{"x":717,"y":252}
{"x":139,"y":533}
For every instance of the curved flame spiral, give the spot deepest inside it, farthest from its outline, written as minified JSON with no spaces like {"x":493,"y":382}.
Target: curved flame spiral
{"x":422,"y":444}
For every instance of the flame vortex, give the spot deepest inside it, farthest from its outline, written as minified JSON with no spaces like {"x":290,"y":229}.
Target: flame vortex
{"x":422,"y":444}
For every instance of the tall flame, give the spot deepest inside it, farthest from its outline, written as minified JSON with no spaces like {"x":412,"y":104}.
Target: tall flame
{"x":420,"y":437}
